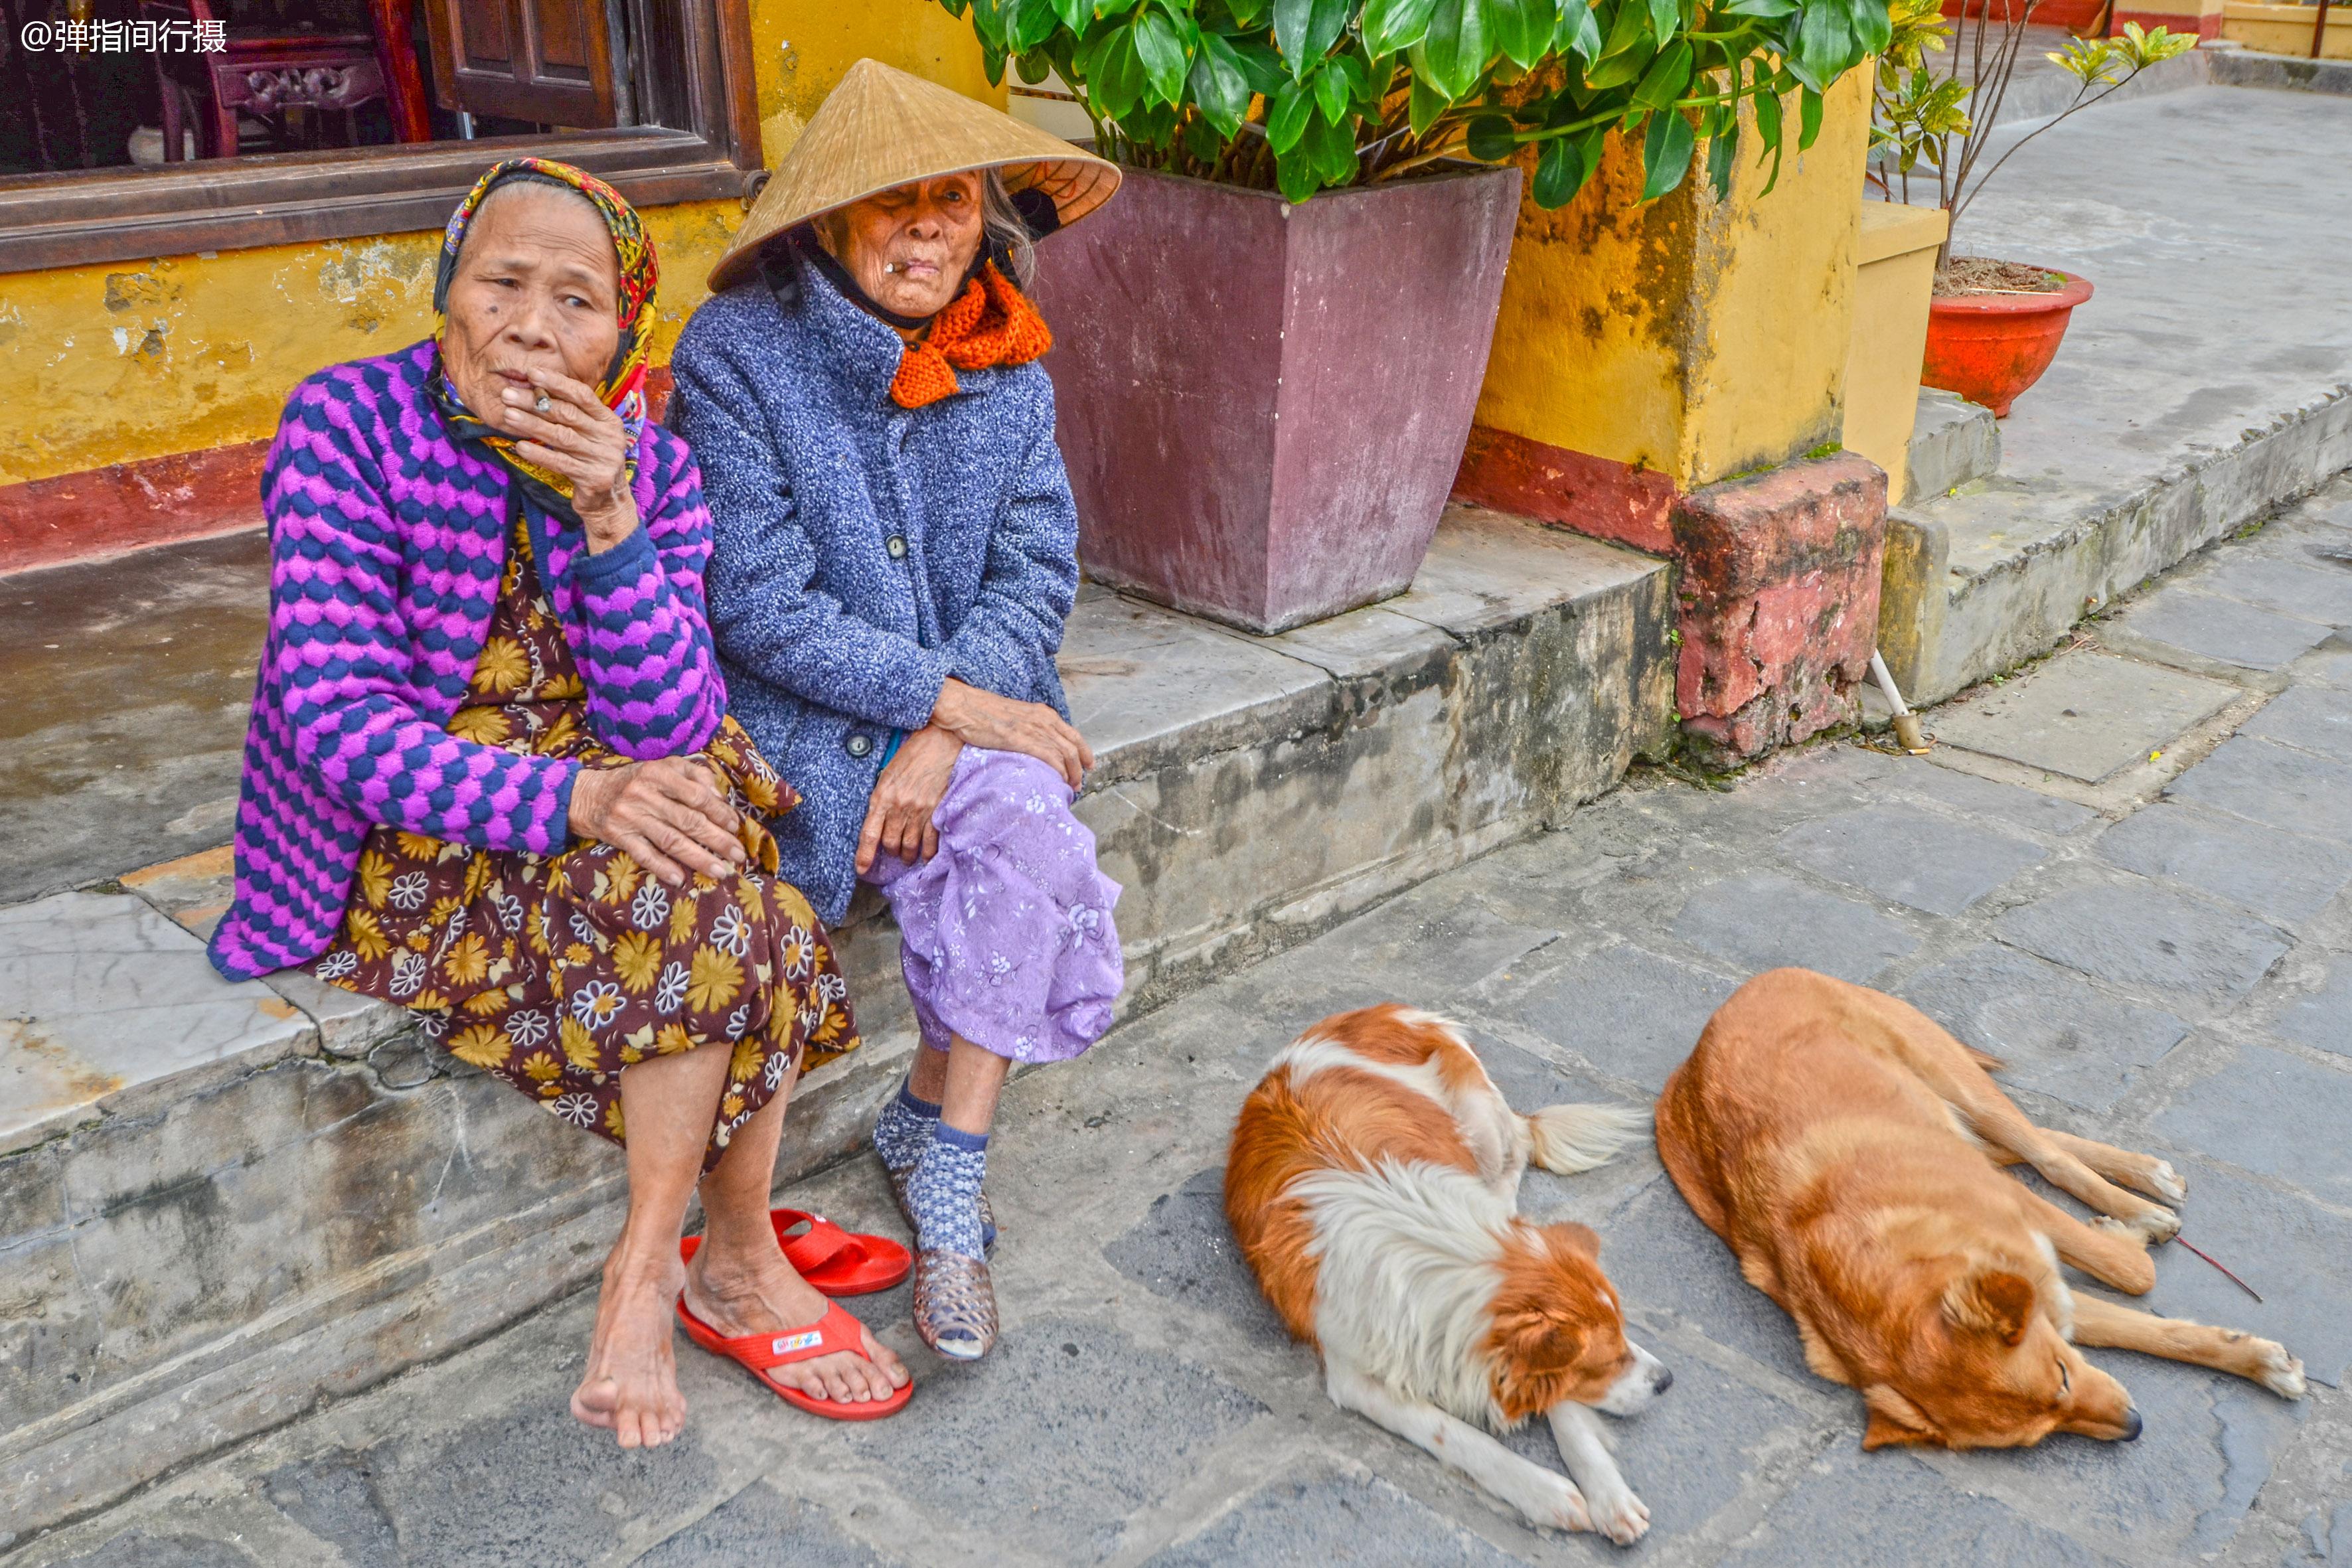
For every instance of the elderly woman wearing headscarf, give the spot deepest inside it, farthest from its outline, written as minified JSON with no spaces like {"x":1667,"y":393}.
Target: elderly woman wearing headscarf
{"x":895,"y":554}
{"x":489,"y":776}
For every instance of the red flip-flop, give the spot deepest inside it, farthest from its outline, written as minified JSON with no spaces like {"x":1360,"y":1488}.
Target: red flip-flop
{"x":836,"y":1332}
{"x":838,"y":1262}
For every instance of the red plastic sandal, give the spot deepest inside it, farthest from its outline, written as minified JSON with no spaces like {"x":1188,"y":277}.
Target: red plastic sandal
{"x":838,"y":1262}
{"x":836,"y":1332}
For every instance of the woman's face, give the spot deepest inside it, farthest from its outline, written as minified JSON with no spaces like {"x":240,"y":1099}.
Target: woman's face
{"x":910,"y":247}
{"x":537,"y":288}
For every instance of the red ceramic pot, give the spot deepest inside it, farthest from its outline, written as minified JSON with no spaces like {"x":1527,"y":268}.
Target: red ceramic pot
{"x":1991,"y":347}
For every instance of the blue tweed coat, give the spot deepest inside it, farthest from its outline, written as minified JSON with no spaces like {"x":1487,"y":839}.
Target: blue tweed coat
{"x":862,"y":552}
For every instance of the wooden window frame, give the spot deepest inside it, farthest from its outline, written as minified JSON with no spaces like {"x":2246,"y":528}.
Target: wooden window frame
{"x":52,"y":220}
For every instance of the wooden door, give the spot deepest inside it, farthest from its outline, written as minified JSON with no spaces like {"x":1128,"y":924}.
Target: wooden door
{"x":559,"y":62}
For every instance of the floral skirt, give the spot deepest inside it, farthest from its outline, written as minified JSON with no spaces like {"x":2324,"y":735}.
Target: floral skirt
{"x":558,"y":973}
{"x":1005,"y":935}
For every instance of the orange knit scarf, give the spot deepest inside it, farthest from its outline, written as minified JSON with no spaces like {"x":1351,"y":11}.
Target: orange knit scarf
{"x":989,"y":323}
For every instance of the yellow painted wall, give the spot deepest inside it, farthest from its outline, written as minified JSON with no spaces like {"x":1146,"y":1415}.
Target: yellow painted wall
{"x":2287,"y":29}
{"x":1694,"y":337}
{"x":801,"y":47}
{"x":125,"y":360}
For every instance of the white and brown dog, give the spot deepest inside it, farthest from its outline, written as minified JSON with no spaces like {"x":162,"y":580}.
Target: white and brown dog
{"x":1373,"y":1185}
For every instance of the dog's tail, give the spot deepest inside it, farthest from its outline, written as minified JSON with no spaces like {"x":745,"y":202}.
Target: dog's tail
{"x":1571,"y":1138}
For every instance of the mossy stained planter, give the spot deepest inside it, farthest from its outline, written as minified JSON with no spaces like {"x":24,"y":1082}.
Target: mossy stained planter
{"x":1262,"y":405}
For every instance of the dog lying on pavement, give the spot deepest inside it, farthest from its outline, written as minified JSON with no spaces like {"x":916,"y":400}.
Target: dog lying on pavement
{"x":1847,"y":1148}
{"x":1373,"y":1185}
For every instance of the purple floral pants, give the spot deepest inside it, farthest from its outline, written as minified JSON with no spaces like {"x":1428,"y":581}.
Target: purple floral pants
{"x":1006,"y":935}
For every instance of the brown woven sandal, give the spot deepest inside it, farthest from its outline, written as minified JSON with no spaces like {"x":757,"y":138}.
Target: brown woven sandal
{"x":898,"y":1180}
{"x":955,"y":1305}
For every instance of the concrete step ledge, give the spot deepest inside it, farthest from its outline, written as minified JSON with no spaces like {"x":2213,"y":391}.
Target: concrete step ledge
{"x":297,"y":1199}
{"x":2245,"y":68}
{"x":1980,"y":582}
{"x":1953,"y":442}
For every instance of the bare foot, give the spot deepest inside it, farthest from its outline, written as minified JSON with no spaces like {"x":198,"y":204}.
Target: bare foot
{"x":751,"y":1289}
{"x":631,"y":1383}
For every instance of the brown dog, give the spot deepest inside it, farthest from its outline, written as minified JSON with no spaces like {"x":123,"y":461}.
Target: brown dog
{"x":1845,"y":1146}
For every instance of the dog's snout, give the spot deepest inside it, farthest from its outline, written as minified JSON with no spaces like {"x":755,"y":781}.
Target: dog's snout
{"x":1665,"y":1380}
{"x":2131,"y":1427}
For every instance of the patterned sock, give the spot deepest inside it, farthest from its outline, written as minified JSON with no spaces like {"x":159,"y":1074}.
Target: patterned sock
{"x":945,"y":1191}
{"x":903,"y":1129}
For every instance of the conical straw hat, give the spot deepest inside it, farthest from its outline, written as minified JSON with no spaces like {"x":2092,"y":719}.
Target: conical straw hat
{"x":881,"y":127}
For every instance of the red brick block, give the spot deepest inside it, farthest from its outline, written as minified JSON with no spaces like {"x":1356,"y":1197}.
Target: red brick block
{"x":1779,"y":603}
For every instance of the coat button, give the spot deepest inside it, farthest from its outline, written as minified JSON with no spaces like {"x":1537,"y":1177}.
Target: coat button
{"x":897,"y":545}
{"x":859,"y":745}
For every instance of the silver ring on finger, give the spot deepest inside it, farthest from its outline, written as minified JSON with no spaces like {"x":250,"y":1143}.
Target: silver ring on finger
{"x":544,"y":404}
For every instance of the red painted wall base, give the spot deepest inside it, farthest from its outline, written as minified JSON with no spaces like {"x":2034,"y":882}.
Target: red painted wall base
{"x":161,"y":500}
{"x":129,"y":506}
{"x":1592,"y":495}
{"x":2207,"y":27}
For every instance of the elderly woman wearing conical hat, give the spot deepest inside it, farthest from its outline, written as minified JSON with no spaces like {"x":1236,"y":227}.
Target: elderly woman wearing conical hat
{"x":895,"y":556}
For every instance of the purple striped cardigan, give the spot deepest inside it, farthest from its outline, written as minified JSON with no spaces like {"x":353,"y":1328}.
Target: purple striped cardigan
{"x":387,"y":538}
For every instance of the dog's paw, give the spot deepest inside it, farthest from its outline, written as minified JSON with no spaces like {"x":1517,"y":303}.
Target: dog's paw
{"x":1551,"y":1501}
{"x":2167,"y":1183}
{"x":1619,"y":1515}
{"x":2156,"y":1226}
{"x":2277,"y":1371}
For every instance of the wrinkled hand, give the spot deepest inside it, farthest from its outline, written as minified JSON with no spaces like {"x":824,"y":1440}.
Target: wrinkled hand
{"x":668,"y":815}
{"x":581,"y":439}
{"x":1001,"y":724}
{"x":898,"y":818}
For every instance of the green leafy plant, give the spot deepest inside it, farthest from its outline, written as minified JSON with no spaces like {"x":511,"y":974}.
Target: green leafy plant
{"x":1306,"y":95}
{"x":1922,"y":116}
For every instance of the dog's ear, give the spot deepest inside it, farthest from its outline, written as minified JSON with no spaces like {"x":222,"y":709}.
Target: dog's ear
{"x":1992,"y":1299}
{"x":1582,"y":1238}
{"x":1538,"y":1335}
{"x":1895,"y":1421}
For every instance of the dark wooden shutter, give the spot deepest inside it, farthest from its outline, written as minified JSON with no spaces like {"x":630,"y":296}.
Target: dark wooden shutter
{"x":557,"y":62}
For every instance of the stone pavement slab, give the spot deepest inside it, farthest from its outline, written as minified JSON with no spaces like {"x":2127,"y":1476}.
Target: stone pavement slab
{"x":1329,"y":1518}
{"x":2146,"y":935}
{"x":2083,"y":717}
{"x":1989,"y":801}
{"x":1910,"y":856}
{"x":2310,"y":718}
{"x":2314,"y":590}
{"x":2297,"y":1255}
{"x":2272,"y":785}
{"x":1183,"y":1250}
{"x":2223,"y":630}
{"x":1107,"y":1427}
{"x":1766,"y":921}
{"x":1891,"y":1508}
{"x":759,"y":1525}
{"x":1625,"y":1012}
{"x":2057,"y":1033}
{"x":2275,"y":1114}
{"x":2323,"y":1019}
{"x":2285,"y":877}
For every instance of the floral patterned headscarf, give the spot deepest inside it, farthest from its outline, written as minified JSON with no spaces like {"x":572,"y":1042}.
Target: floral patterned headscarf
{"x":622,"y":387}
